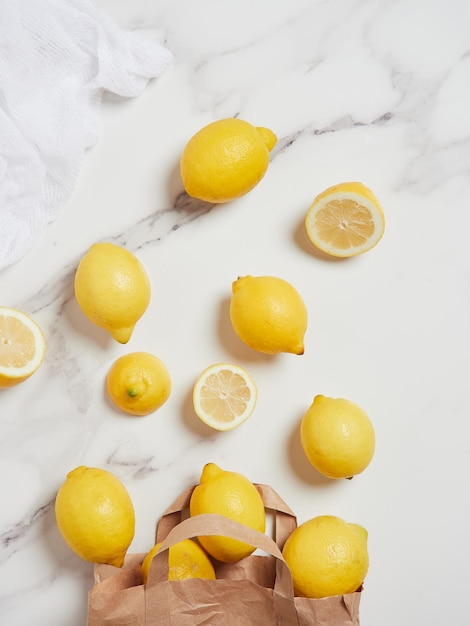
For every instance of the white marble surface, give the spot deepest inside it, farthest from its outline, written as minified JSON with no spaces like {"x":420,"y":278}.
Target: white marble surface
{"x":370,"y":90}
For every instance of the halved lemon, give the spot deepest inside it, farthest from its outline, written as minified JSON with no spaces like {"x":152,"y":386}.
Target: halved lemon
{"x":345,"y":220}
{"x":22,"y":347}
{"x":224,"y":396}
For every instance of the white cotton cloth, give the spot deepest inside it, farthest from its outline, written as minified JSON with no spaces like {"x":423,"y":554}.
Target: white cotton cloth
{"x":57,"y":57}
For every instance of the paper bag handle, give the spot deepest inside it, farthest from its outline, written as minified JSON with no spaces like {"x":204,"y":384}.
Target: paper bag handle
{"x":285,"y":519}
{"x":214,"y":524}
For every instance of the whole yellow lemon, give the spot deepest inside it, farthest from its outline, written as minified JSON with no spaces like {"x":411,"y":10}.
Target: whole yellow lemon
{"x":337,"y":436}
{"x":138,"y":383}
{"x":327,"y":557}
{"x":230,"y":494}
{"x":112,"y":289}
{"x":225,"y":159}
{"x":95,"y":515}
{"x":186,"y":559}
{"x":268,"y":314}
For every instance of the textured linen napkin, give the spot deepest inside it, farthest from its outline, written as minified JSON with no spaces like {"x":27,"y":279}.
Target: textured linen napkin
{"x":57,"y":57}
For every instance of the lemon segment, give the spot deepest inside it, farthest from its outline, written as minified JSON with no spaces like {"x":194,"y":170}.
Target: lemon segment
{"x":268,"y":314}
{"x":327,"y":557}
{"x":225,"y":160}
{"x":224,"y":396}
{"x":112,"y":289}
{"x":22,"y":347}
{"x":230,"y":494}
{"x":337,"y":437}
{"x":186,"y":559}
{"x":345,"y":220}
{"x":138,"y":383}
{"x":95,"y":515}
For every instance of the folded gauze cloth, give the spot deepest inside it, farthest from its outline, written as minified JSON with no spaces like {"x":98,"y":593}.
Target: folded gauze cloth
{"x":57,"y":57}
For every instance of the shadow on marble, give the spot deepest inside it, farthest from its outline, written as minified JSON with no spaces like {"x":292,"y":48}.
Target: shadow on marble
{"x":63,"y":295}
{"x":192,"y":421}
{"x":111,"y":99}
{"x":82,"y":326}
{"x":175,"y":185}
{"x":67,"y":565}
{"x":300,"y":464}
{"x":180,"y":200}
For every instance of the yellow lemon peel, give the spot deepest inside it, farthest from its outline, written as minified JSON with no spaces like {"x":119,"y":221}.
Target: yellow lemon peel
{"x":337,"y":437}
{"x":327,"y":557}
{"x":138,"y":383}
{"x":112,"y":289}
{"x":230,"y":494}
{"x":268,"y":314}
{"x":225,"y":159}
{"x":186,"y":559}
{"x":95,"y":515}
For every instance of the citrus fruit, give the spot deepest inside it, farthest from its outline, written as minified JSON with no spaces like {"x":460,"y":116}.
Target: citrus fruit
{"x":112,"y":289}
{"x":138,"y":383}
{"x":268,"y":314}
{"x":95,"y":515}
{"x":327,"y":557}
{"x":337,"y":436}
{"x":345,"y":220}
{"x":224,"y":396}
{"x":232,"y":495}
{"x":186,"y":559}
{"x":225,"y":159}
{"x":22,"y":347}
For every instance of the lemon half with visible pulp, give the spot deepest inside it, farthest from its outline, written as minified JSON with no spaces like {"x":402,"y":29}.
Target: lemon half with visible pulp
{"x":22,"y":347}
{"x":224,"y":396}
{"x":345,"y":220}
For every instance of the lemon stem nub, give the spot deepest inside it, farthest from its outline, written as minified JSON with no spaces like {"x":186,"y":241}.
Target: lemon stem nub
{"x":132,"y":392}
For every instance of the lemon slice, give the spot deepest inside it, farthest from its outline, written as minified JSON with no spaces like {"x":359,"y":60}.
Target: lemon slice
{"x":22,"y":347}
{"x":345,"y":220}
{"x":224,"y":396}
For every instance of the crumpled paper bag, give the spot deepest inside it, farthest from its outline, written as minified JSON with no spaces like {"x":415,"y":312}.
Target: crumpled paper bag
{"x":256,"y":591}
{"x":57,"y":58}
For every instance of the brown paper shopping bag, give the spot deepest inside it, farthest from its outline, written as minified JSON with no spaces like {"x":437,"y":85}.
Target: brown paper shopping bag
{"x":118,"y":596}
{"x":256,"y":590}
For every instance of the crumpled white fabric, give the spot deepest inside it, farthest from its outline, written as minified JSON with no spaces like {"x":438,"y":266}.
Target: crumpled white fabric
{"x":57,"y":57}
